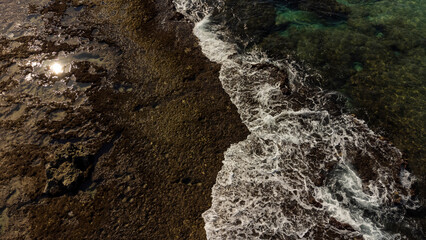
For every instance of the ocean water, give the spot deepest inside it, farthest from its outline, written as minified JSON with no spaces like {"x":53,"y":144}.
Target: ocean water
{"x":297,"y":71}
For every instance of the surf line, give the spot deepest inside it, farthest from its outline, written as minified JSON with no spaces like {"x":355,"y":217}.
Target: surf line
{"x":293,"y":177}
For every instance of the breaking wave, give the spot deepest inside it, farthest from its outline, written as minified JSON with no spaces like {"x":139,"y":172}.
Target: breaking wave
{"x":306,"y":170}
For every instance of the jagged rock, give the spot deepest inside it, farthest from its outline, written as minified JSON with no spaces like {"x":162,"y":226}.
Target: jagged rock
{"x":67,"y":171}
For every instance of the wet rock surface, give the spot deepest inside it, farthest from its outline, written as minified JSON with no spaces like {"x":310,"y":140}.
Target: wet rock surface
{"x":68,"y":170}
{"x":113,"y":125}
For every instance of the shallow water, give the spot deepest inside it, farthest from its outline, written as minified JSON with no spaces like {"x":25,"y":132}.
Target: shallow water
{"x":374,"y":53}
{"x":43,"y":58}
{"x":303,"y":167}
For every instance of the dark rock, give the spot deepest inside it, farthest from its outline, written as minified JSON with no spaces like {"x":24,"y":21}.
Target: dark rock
{"x":68,"y":170}
{"x":340,"y":225}
{"x":314,"y":202}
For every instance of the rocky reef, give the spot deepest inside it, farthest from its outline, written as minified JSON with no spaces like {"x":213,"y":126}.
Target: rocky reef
{"x":124,"y":139}
{"x":372,"y":53}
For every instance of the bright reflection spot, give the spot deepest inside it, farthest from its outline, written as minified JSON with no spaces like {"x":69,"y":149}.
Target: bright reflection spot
{"x":57,"y":68}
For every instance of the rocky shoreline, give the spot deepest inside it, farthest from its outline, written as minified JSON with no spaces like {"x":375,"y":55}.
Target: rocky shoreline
{"x":128,"y":141}
{"x":134,"y":152}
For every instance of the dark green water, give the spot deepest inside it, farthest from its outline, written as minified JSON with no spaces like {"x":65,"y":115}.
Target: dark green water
{"x":371,"y":51}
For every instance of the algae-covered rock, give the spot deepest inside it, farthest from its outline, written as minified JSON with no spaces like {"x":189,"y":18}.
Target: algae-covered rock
{"x":325,"y":8}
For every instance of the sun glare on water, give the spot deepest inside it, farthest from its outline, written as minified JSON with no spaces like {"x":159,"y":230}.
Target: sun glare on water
{"x":57,"y":68}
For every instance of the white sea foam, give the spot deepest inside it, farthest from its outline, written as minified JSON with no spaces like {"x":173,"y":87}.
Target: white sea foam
{"x":268,"y":186}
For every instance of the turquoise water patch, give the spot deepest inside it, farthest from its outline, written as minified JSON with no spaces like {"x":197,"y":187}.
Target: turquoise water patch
{"x":358,"y":66}
{"x":297,"y":20}
{"x":286,"y":15}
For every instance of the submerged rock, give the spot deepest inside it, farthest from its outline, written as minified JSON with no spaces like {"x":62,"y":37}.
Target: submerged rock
{"x":70,"y":167}
{"x":326,"y":8}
